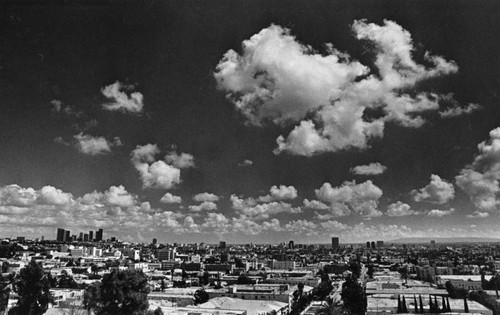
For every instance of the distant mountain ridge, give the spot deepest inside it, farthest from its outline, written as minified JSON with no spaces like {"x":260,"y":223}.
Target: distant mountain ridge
{"x":413,"y":240}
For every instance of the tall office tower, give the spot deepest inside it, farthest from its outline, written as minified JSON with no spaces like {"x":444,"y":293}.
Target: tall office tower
{"x":373,"y":244}
{"x":222,"y":244}
{"x":67,"y":238}
{"x":98,"y":235}
{"x":91,"y":236}
{"x":380,"y":244}
{"x":80,"y":237}
{"x":335,"y":242}
{"x":367,"y":244}
{"x":291,"y":244}
{"x":85,"y":237}
{"x":60,"y":235}
{"x":155,"y":241}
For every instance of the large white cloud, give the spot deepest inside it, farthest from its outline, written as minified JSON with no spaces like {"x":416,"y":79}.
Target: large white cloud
{"x":276,"y":78}
{"x":360,"y":198}
{"x":159,"y":174}
{"x":438,"y":191}
{"x":121,"y":101}
{"x":480,"y":179}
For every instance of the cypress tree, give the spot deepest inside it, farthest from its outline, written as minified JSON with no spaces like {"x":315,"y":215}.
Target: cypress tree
{"x":404,"y":308}
{"x":431,"y":305}
{"x":466,"y":306}
{"x":421,"y":304}
{"x":400,"y":310}
{"x":415,"y":304}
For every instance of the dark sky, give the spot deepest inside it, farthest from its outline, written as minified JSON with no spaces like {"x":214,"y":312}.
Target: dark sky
{"x":61,"y":166}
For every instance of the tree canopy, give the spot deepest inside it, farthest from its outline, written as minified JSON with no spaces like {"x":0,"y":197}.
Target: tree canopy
{"x":32,"y":286}
{"x":119,"y":292}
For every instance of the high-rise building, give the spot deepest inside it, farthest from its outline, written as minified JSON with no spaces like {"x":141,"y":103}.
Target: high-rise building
{"x":155,"y":241}
{"x":291,"y":244}
{"x":367,"y":244}
{"x":67,"y":237}
{"x":335,"y":242}
{"x":222,"y":244}
{"x":60,"y":235}
{"x":91,"y":236}
{"x":380,"y":244}
{"x":98,"y":235}
{"x":80,"y":237}
{"x":85,"y":237}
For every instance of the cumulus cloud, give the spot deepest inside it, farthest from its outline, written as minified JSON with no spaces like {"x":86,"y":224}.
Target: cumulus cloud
{"x":328,"y":96}
{"x":50,"y":195}
{"x":301,"y":227}
{"x":454,"y":109}
{"x":246,"y":163}
{"x":158,"y":174}
{"x":202,"y":197}
{"x":435,"y":213}
{"x":120,"y":100}
{"x":183,"y":160}
{"x":399,"y":209}
{"x":438,"y":191}
{"x":204,"y":206}
{"x":360,"y":198}
{"x":90,"y":145}
{"x":370,"y":169}
{"x":480,"y":179}
{"x":259,"y":211}
{"x":279,"y":193}
{"x":478,"y":215}
{"x":169,"y":198}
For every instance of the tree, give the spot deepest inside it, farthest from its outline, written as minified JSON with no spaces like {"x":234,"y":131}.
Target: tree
{"x":370,"y":271}
{"x":244,"y":279}
{"x":205,"y":280}
{"x":94,"y":269}
{"x":455,"y":293}
{"x":66,"y":281}
{"x":353,"y":296}
{"x":120,"y":292}
{"x":5,"y":267}
{"x":200,"y":296}
{"x":32,"y":286}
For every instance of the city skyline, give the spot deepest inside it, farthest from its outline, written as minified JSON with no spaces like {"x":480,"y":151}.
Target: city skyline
{"x":259,"y":122}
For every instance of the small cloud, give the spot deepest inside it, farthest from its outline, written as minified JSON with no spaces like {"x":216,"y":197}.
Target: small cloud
{"x":370,"y":169}
{"x":279,"y":193}
{"x":184,"y":160}
{"x":204,"y":197}
{"x":458,"y":111}
{"x":246,"y":163}
{"x":59,"y":107}
{"x":435,"y":213}
{"x":204,"y":206}
{"x":169,"y":199}
{"x":90,"y":145}
{"x":400,"y":209}
{"x":478,"y":215}
{"x":121,"y":101}
{"x":60,"y":140}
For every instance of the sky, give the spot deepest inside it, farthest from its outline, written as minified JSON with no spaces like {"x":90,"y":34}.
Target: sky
{"x":250,"y":121}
